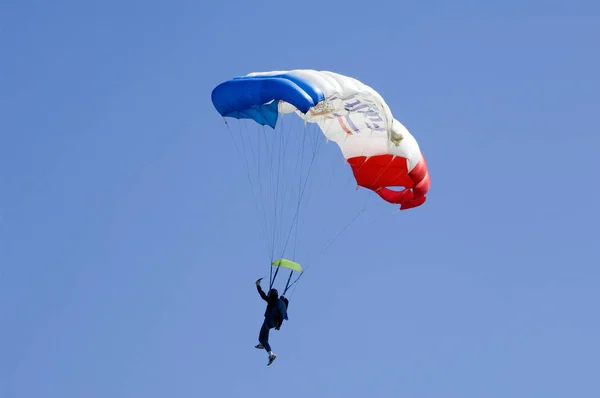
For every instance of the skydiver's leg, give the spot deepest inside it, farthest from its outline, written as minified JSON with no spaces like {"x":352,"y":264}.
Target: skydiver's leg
{"x":263,"y":336}
{"x":267,"y":325}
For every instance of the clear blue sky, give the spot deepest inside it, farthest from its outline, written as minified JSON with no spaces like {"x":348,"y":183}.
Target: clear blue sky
{"x":128,"y":239}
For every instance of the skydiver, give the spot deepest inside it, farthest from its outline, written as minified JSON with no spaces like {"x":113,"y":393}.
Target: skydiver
{"x":275,"y":313}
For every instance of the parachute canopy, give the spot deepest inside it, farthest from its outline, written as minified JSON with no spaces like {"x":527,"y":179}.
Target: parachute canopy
{"x":379,"y":149}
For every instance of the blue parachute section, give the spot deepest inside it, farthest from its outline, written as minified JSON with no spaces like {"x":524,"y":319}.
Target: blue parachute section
{"x":256,"y":97}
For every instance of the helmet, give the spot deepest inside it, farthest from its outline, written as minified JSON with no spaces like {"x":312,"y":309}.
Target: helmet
{"x":273,"y":292}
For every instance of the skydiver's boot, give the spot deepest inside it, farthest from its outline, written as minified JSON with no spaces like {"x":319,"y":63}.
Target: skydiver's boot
{"x":259,"y":346}
{"x":272,"y":357}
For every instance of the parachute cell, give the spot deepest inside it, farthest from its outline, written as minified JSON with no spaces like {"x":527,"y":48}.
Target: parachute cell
{"x":380,"y":150}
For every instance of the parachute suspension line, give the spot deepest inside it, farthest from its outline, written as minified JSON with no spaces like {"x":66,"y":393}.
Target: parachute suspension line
{"x":249,"y":135}
{"x":287,"y":177}
{"x":277,"y":214}
{"x":301,"y":190}
{"x":274,"y":276}
{"x":297,"y":220}
{"x":278,"y":137}
{"x":362,"y":210}
{"x":297,"y":280}
{"x":301,"y":196}
{"x":281,"y":193}
{"x":276,"y":219}
{"x":307,"y":142}
{"x":294,"y":283}
{"x":302,"y":183}
{"x":273,"y":200}
{"x":248,"y":175}
{"x":300,"y":156}
{"x":287,"y":285}
{"x":314,"y":139}
{"x":275,"y":153}
{"x":260,"y":184}
{"x":263,"y":217}
{"x":290,"y":185}
{"x":270,"y":234}
{"x":294,"y":169}
{"x":268,"y":192}
{"x":255,"y":135}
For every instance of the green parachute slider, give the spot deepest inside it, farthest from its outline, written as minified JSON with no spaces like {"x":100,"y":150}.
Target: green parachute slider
{"x":283,"y":263}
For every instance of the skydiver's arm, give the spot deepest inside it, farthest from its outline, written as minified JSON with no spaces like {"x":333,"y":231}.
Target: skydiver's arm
{"x":262,"y":294}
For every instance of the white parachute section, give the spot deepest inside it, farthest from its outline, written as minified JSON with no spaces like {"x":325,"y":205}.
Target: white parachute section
{"x":354,"y":116}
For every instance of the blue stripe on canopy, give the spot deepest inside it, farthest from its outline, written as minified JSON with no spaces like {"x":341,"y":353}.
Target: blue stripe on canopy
{"x":256,"y":97}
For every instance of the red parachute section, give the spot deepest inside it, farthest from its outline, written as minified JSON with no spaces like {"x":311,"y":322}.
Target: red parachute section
{"x":380,"y":172}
